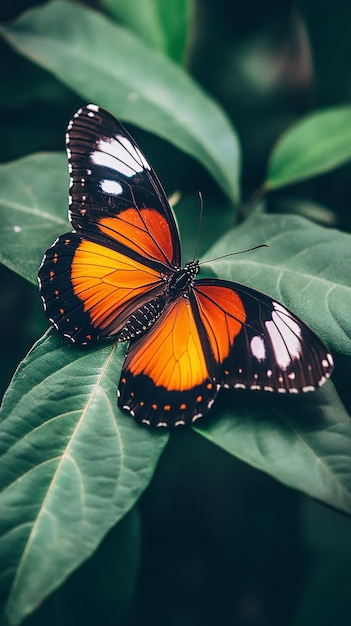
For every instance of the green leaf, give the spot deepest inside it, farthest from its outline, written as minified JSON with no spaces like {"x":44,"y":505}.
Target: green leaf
{"x":317,"y":144}
{"x":156,"y":23}
{"x":34,"y":194}
{"x":305,"y":441}
{"x":306,"y":267}
{"x":71,"y":466}
{"x":108,"y":65}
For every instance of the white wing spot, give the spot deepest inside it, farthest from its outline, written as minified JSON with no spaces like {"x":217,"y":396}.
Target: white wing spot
{"x":285,"y":336}
{"x":119,"y":155}
{"x":330,"y":359}
{"x":197,"y":417}
{"x":111,"y":187}
{"x":179,"y":423}
{"x":308,"y":388}
{"x":258,"y":348}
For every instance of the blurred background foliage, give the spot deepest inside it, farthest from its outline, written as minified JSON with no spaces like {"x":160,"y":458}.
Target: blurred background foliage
{"x":221,"y":543}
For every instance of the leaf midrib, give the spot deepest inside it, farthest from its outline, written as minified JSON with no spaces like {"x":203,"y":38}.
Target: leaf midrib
{"x":281,"y":270}
{"x":35,"y":212}
{"x":53,"y":480}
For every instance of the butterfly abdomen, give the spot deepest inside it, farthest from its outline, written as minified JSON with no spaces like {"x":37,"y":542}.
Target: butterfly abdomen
{"x":142,"y":319}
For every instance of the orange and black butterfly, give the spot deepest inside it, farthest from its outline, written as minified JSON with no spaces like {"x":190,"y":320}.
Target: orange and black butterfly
{"x":119,"y":274}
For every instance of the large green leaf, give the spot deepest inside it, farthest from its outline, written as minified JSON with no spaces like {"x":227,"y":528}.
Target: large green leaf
{"x":71,"y":466}
{"x":317,"y":144}
{"x":108,"y":65}
{"x":33,"y":208}
{"x":306,"y":267}
{"x":305,"y":441}
{"x":162,"y":25}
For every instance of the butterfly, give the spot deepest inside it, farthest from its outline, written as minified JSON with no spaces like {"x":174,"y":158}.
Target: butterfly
{"x":119,"y":274}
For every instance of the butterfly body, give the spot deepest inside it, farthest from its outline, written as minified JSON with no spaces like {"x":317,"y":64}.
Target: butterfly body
{"x":119,"y":274}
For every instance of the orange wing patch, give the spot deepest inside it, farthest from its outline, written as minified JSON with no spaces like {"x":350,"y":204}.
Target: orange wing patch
{"x":165,"y":379}
{"x":106,"y":281}
{"x":171,"y":354}
{"x":144,"y":231}
{"x":223,"y":314}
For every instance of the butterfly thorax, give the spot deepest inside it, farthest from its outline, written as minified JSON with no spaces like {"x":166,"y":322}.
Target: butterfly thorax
{"x":145,"y":316}
{"x":182,"y":279}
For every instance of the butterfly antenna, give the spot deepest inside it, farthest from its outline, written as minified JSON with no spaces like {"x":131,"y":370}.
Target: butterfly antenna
{"x":223,"y":256}
{"x":199,"y":226}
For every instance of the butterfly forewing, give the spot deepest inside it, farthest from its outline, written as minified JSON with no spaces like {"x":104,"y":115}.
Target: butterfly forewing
{"x":115,"y":195}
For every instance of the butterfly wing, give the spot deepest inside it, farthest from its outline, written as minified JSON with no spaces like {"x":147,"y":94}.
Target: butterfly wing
{"x":125,"y":241}
{"x":90,"y":291}
{"x":271,"y":350}
{"x":223,"y":334}
{"x":166,"y":378}
{"x":114,"y":192}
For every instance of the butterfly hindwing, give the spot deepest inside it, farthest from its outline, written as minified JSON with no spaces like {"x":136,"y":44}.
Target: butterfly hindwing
{"x":90,"y":291}
{"x":63,"y":308}
{"x":167,"y":376}
{"x":272,"y":351}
